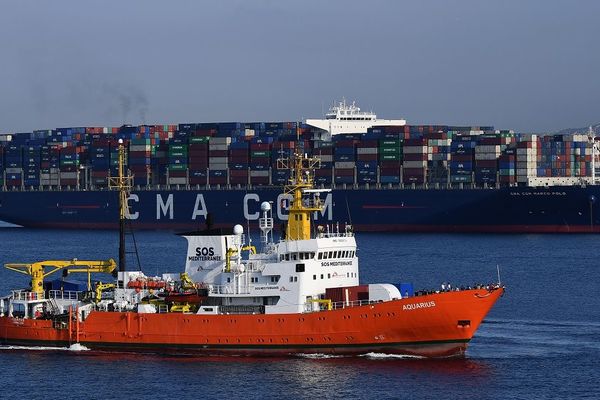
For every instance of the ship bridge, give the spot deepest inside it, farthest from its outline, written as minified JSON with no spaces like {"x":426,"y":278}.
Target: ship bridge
{"x":349,"y":118}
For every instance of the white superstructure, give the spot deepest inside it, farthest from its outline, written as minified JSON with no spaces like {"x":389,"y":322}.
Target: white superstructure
{"x":348,"y":118}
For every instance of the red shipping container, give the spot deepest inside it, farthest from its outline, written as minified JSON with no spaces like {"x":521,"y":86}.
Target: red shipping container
{"x":260,"y":146}
{"x":218,"y":153}
{"x":238,"y":180}
{"x":238,"y":173}
{"x":347,"y":294}
{"x":486,"y":163}
{"x":323,"y":172}
{"x":201,"y":180}
{"x":415,"y":157}
{"x":259,"y":180}
{"x":366,"y":157}
{"x":461,"y":157}
{"x":344,"y":171}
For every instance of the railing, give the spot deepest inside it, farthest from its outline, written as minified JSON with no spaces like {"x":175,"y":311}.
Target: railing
{"x":26,"y":295}
{"x":349,"y":186}
{"x":64,"y":295}
{"x":334,"y":234}
{"x":338,"y":305}
{"x":243,"y":289}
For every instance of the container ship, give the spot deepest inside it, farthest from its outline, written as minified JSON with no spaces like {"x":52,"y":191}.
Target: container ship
{"x":299,"y":295}
{"x":385,"y":175}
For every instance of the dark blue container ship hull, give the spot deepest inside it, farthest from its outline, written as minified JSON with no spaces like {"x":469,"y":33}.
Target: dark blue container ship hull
{"x":559,"y":209}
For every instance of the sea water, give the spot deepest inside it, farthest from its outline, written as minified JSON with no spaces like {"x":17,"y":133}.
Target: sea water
{"x":540,"y":341}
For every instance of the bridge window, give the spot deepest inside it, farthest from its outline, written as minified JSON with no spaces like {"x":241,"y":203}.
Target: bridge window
{"x":314,"y":277}
{"x":302,"y":256}
{"x":300,"y":268}
{"x":312,"y":255}
{"x":294,"y":256}
{"x":325,"y":255}
{"x":331,"y":254}
{"x":321,"y":276}
{"x":320,"y":256}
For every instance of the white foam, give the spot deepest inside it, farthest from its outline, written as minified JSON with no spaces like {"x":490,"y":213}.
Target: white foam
{"x":383,"y":356}
{"x":73,"y":347}
{"x":319,"y":356}
{"x":78,"y":347}
{"x":36,"y":348}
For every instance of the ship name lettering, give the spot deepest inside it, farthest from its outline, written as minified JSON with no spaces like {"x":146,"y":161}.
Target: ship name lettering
{"x":199,"y":207}
{"x":204,"y":258}
{"x":335,"y":263}
{"x":164,"y":207}
{"x":128,"y":213}
{"x":247,"y":198}
{"x":415,"y":306}
{"x":205,"y":251}
{"x":266,"y":287}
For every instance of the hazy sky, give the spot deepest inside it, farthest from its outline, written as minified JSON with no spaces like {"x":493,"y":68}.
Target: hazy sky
{"x":524,"y":65}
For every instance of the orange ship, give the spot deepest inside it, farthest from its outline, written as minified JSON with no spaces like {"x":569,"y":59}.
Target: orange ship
{"x":297,"y":295}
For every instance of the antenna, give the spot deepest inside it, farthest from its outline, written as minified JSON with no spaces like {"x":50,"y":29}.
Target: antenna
{"x":498,"y":270}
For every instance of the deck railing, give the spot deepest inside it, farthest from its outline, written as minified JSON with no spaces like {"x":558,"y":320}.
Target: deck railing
{"x":27,"y":295}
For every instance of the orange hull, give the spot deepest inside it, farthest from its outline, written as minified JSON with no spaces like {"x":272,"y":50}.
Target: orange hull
{"x":436,"y":325}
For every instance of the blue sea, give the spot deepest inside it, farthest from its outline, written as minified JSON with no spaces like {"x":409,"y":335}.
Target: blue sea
{"x":540,"y":341}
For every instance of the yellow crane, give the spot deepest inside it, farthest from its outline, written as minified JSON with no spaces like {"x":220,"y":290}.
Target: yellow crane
{"x":101,"y":287}
{"x":40,"y":270}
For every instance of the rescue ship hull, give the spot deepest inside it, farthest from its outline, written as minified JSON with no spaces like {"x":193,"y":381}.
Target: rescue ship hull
{"x":436,"y":325}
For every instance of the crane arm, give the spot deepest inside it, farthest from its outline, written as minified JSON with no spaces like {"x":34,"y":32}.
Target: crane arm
{"x":41,"y":269}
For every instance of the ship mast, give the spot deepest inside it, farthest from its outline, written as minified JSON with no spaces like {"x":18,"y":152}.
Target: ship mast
{"x":300,"y":184}
{"x":123,"y":184}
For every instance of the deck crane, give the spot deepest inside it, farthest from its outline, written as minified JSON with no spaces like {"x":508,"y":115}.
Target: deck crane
{"x":40,"y":270}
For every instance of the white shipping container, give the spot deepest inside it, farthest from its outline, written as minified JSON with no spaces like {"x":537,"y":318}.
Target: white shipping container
{"x":531,"y":151}
{"x":218,"y":166}
{"x":344,"y":164}
{"x":219,"y":140}
{"x":13,"y":170}
{"x":366,"y":150}
{"x":177,"y":181}
{"x":326,"y":158}
{"x":487,"y":149}
{"x":259,"y":173}
{"x":68,"y":175}
{"x":486,"y":156}
{"x":217,"y":160}
{"x":415,"y":164}
{"x":220,"y":147}
{"x":140,"y":147}
{"x":415,"y":150}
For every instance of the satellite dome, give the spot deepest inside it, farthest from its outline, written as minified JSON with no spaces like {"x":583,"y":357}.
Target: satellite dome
{"x":265,"y":206}
{"x":238,"y":229}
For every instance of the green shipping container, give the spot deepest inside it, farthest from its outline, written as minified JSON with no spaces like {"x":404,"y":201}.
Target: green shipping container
{"x":390,"y":157}
{"x":69,"y":162}
{"x":390,"y":150}
{"x":177,"y":167}
{"x":177,"y":147}
{"x":390,"y":142}
{"x":178,"y":153}
{"x":260,"y":154}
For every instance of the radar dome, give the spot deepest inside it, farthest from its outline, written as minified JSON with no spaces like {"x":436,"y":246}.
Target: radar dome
{"x":265,"y":206}
{"x":238,"y":229}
